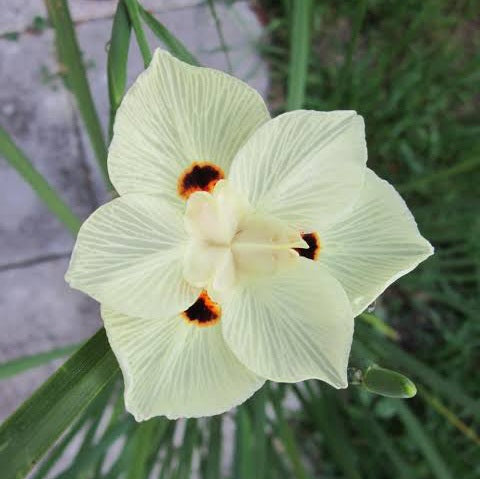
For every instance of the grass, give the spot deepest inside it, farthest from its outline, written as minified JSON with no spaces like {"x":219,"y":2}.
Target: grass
{"x":412,"y":70}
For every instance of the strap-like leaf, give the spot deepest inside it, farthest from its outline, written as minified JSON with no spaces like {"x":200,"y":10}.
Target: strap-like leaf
{"x":36,"y":425}
{"x":46,"y":193}
{"x":70,"y":58}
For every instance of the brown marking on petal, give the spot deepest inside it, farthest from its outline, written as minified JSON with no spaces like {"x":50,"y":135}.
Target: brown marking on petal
{"x":313,"y":249}
{"x":200,"y":176}
{"x":203,"y":312}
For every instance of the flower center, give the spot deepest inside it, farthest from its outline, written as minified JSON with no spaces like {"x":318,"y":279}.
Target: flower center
{"x":231,"y":243}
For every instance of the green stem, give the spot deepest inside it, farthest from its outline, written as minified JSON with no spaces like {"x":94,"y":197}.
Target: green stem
{"x":46,"y":193}
{"x":170,"y":41}
{"x":218,"y":27}
{"x":134,"y":14}
{"x":299,"y":53}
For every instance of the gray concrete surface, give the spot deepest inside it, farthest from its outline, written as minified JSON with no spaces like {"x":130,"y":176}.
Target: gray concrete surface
{"x":38,"y":309}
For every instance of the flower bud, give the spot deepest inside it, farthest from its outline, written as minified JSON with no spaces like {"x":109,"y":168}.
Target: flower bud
{"x":388,"y":383}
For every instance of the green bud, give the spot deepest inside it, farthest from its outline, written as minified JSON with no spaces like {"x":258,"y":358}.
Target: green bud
{"x":388,"y":383}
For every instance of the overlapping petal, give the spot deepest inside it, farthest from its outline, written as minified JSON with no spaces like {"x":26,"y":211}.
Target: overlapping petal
{"x":374,"y":245}
{"x":175,"y":369}
{"x":176,"y":114}
{"x":304,"y":167}
{"x":291,"y":326}
{"x":129,"y":254}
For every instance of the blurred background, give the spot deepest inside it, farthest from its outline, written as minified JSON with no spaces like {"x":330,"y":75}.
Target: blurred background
{"x":412,"y":70}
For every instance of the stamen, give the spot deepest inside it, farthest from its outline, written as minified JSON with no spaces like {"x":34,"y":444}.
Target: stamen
{"x":313,"y":249}
{"x":200,"y":176}
{"x":204,"y":312}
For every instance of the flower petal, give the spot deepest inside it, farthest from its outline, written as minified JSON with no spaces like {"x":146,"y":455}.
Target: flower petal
{"x":373,"y":245}
{"x":291,"y":326}
{"x":304,"y":167}
{"x":129,"y":255}
{"x":176,"y":369}
{"x":176,"y":114}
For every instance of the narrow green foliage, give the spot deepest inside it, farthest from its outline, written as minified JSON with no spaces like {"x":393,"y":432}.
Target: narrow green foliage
{"x":28,"y":433}
{"x":45,"y":192}
{"x":299,"y":53}
{"x":404,"y":471}
{"x":243,"y":463}
{"x":323,"y":409}
{"x":134,"y":14}
{"x":142,"y":447}
{"x":218,"y":26}
{"x":286,"y":435}
{"x":260,"y":421}
{"x":184,"y":467}
{"x":19,"y":365}
{"x":423,"y":441}
{"x":117,"y":61}
{"x":73,"y":70}
{"x":213,"y":454}
{"x":171,"y":42}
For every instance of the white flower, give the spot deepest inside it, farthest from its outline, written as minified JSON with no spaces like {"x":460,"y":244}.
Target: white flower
{"x":241,"y":247}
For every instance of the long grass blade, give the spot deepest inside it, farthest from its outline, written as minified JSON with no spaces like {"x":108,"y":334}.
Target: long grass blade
{"x":19,"y":365}
{"x":214,"y":452}
{"x":28,"y":433}
{"x":299,"y":53}
{"x":286,"y":436}
{"x":423,"y":441}
{"x":243,"y":467}
{"x":70,"y":58}
{"x":117,"y":60}
{"x":134,"y":14}
{"x":260,"y":422}
{"x":17,"y":159}
{"x":221,"y":37}
{"x":171,"y":42}
{"x":324,"y":411}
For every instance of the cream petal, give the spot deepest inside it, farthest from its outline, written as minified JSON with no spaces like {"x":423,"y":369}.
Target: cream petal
{"x":176,"y":369}
{"x":373,"y":245}
{"x":291,"y":326}
{"x":176,"y":114}
{"x":129,"y":255}
{"x":304,"y":167}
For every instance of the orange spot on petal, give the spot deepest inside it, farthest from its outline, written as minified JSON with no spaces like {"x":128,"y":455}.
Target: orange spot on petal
{"x":203,"y":312}
{"x":313,"y":249}
{"x":200,"y":176}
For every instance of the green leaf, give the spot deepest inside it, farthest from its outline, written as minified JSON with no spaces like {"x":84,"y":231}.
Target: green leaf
{"x":299,"y":53}
{"x":184,"y":466}
{"x":141,"y":448}
{"x":70,"y":59}
{"x":324,"y":411}
{"x":214,"y":452}
{"x":171,"y":42}
{"x":16,"y":366}
{"x":218,"y":27}
{"x":45,"y":192}
{"x":28,"y":433}
{"x":117,"y":61}
{"x":243,"y":456}
{"x":286,"y":435}
{"x":403,"y":468}
{"x":134,"y":14}
{"x":423,"y":441}
{"x":260,"y":421}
